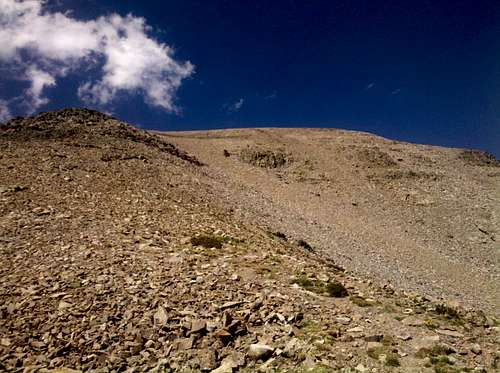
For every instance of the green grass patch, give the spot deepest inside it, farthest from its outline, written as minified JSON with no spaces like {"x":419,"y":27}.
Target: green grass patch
{"x":392,"y":360}
{"x":309,"y":327}
{"x":207,"y":241}
{"x":443,"y":365}
{"x":336,"y":289}
{"x":434,"y":351}
{"x":332,"y":288}
{"x":387,"y":340}
{"x":211,"y":241}
{"x":449,"y":313}
{"x":361,"y":302}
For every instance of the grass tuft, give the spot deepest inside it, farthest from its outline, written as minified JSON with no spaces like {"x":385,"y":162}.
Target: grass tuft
{"x":360,"y":302}
{"x":333,"y":288}
{"x":449,"y":313}
{"x":336,"y":289}
{"x":304,"y":245}
{"x":207,"y":241}
{"x":392,"y":360}
{"x":434,"y":351}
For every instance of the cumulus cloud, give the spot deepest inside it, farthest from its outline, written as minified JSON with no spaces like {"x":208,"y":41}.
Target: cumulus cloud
{"x":55,"y":44}
{"x":236,"y":106}
{"x":39,"y":80}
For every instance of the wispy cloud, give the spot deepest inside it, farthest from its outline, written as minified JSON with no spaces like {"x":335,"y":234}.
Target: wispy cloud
{"x":271,"y":96}
{"x":236,"y":106}
{"x":396,"y":91}
{"x":369,"y":86}
{"x":4,"y":111}
{"x":119,"y":48}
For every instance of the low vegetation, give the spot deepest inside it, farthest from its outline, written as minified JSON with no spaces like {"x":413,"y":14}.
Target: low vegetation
{"x":304,"y":245}
{"x":391,"y":358}
{"x":448,"y":312}
{"x":332,"y":288}
{"x":360,"y":301}
{"x":336,"y":289}
{"x":434,"y":351}
{"x":207,"y":242}
{"x":279,"y":235}
{"x":264,"y":158}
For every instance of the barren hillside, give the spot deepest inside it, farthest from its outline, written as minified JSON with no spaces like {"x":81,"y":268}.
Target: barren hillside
{"x":425,"y":218}
{"x":123,"y":250}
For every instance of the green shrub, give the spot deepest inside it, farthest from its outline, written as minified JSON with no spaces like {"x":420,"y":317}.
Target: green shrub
{"x":207,"y":241}
{"x":311,"y":285}
{"x":336,"y":289}
{"x":387,"y":340}
{"x":361,"y":302}
{"x":447,"y":311}
{"x":304,"y":245}
{"x":332,"y":289}
{"x":392,"y":360}
{"x":434,"y":351}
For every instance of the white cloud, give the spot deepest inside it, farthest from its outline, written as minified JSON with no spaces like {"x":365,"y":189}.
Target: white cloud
{"x":39,"y":80}
{"x":233,"y":108}
{"x":4,"y":111}
{"x":128,"y":59}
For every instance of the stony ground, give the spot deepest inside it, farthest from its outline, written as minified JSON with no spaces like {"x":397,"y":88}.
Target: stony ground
{"x":121,"y":252}
{"x":425,"y":218}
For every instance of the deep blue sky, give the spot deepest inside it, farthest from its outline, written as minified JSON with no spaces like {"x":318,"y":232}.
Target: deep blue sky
{"x":423,"y":71}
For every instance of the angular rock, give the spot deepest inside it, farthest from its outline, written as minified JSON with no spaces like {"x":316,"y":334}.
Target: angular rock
{"x":198,"y":326}
{"x":373,"y":345}
{"x":184,"y":343}
{"x":476,"y":348}
{"x":361,"y":368}
{"x":344,"y":320}
{"x":259,"y":351}
{"x":160,"y":317}
{"x":374,"y":338}
{"x":450,"y":333}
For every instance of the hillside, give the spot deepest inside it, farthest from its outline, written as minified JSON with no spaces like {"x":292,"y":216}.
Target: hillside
{"x":425,"y":218}
{"x":293,"y":250}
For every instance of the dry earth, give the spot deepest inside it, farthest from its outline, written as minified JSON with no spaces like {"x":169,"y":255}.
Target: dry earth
{"x":121,"y":252}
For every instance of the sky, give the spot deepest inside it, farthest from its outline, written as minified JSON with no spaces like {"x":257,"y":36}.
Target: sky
{"x":417,"y":71}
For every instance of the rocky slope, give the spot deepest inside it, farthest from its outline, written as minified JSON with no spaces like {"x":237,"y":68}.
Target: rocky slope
{"x":121,"y":252}
{"x":425,"y":218}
